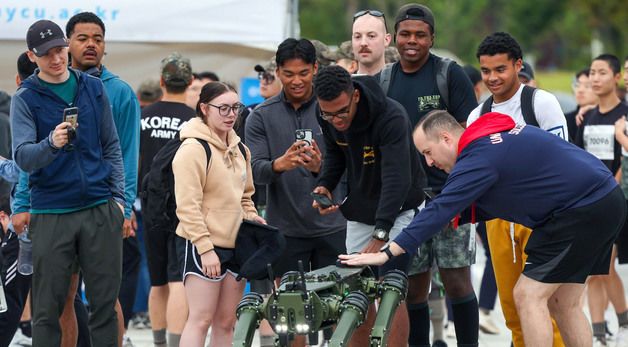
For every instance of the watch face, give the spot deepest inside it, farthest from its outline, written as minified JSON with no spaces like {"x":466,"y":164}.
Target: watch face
{"x":381,"y":235}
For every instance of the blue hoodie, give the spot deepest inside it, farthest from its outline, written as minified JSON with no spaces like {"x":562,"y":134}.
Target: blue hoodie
{"x":517,"y":173}
{"x":126,"y":116}
{"x":61,"y":179}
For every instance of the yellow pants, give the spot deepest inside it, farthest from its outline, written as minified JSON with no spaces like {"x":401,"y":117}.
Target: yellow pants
{"x":508,"y":262}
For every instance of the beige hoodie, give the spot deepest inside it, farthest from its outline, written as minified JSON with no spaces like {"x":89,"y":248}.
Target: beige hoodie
{"x":211,"y":203}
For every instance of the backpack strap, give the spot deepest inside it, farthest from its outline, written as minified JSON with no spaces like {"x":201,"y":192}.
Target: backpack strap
{"x":527,"y":105}
{"x":242,"y":150}
{"x":384,"y":78}
{"x":442,"y":78}
{"x":486,"y":106}
{"x":208,"y":151}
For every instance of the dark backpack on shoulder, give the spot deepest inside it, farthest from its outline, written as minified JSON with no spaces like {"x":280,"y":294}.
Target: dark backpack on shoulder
{"x":442,"y":65}
{"x":158,"y":203}
{"x":527,"y":106}
{"x":159,"y":207}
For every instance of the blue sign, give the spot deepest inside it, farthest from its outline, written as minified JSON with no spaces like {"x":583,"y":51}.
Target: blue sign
{"x":249,"y":91}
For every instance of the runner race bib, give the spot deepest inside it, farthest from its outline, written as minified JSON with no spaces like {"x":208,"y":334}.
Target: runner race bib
{"x":599,"y":140}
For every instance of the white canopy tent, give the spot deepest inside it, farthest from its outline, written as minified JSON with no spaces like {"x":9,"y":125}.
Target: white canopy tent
{"x":225,"y":36}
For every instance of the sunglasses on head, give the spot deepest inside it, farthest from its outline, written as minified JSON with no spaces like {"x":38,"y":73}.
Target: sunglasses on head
{"x":374,"y":13}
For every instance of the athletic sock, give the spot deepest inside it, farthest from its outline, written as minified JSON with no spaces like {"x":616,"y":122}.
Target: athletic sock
{"x":622,"y":318}
{"x":173,"y":339}
{"x":599,"y":331}
{"x":466,"y":320}
{"x":419,"y":316}
{"x":159,"y":338}
{"x":26,"y":328}
{"x":437,"y":317}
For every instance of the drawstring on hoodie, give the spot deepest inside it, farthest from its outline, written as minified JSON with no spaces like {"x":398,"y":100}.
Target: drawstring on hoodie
{"x":512,"y":240}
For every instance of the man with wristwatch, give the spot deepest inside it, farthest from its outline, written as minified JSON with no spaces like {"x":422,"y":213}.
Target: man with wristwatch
{"x":369,"y":136}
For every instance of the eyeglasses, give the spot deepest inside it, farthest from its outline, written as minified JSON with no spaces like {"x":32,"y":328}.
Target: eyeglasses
{"x":342,"y":114}
{"x":225,"y":110}
{"x":267,"y":77}
{"x":374,"y":13}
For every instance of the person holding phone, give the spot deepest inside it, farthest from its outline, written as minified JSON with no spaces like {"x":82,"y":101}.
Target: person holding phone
{"x":212,"y":200}
{"x":290,"y":168}
{"x":77,"y":197}
{"x":369,"y":136}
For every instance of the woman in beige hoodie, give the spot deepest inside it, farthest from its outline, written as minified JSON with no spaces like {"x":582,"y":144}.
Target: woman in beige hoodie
{"x":212,"y":199}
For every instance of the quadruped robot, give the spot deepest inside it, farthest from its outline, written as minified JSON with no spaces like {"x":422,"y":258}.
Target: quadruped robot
{"x":306,"y":303}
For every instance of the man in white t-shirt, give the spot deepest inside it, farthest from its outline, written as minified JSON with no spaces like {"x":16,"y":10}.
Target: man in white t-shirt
{"x":500,"y":60}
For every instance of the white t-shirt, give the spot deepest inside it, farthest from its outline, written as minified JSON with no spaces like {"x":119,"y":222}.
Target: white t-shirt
{"x":549,"y":115}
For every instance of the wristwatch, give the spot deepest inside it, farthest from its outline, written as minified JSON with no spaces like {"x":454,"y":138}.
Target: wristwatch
{"x":380,"y":234}
{"x":387,"y":251}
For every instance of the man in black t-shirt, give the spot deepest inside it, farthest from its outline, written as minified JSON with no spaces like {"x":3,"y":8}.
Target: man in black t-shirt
{"x":597,"y":136}
{"x":161,"y":123}
{"x":414,"y":83}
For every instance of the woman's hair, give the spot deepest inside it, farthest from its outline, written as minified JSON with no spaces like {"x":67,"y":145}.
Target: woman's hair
{"x":209,"y":92}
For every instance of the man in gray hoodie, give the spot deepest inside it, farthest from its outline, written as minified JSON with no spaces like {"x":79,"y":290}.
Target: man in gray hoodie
{"x":289,"y":167}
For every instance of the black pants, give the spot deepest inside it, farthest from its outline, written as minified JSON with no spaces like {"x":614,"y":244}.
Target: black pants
{"x":93,"y":235}
{"x":130,"y":272}
{"x":16,"y":287}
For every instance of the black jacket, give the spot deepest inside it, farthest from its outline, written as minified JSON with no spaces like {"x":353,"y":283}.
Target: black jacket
{"x":384,"y":173}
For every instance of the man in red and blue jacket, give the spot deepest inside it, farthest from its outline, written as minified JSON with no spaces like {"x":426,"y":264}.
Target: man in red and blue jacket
{"x":565,"y":195}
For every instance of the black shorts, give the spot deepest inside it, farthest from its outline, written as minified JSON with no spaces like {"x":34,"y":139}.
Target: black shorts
{"x":622,"y":244}
{"x":163,"y":256}
{"x":192,"y":262}
{"x":315,"y":252}
{"x":576,"y":243}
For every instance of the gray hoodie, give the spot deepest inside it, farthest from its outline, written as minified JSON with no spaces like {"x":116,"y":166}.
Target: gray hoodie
{"x":270,"y":131}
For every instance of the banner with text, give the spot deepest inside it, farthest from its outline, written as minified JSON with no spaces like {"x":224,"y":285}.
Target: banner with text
{"x":233,"y":21}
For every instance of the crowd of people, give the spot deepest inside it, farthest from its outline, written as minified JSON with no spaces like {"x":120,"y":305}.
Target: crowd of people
{"x":417,"y":154}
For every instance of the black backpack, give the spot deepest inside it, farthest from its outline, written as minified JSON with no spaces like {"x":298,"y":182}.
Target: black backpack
{"x":527,"y":105}
{"x":159,"y":208}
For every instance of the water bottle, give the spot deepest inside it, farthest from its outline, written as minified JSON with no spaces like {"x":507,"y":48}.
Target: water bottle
{"x":25,"y":254}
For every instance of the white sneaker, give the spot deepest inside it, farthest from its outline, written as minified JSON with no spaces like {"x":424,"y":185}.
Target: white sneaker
{"x":598,"y":343}
{"x":487,"y":325}
{"x":126,"y":341}
{"x":21,"y":340}
{"x":450,"y":330}
{"x":621,"y":338}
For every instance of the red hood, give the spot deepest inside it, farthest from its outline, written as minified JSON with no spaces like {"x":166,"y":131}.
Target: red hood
{"x":490,"y":123}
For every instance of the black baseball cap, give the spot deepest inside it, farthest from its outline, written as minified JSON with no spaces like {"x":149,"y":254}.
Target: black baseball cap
{"x":44,"y":35}
{"x":415,"y":12}
{"x":526,"y":71}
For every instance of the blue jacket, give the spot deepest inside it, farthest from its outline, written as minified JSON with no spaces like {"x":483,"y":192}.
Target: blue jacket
{"x":61,"y":179}
{"x":126,"y":116}
{"x":520,"y":174}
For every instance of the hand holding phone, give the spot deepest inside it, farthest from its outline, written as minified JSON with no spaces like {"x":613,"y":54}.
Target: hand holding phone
{"x":70,"y":115}
{"x":322,"y":200}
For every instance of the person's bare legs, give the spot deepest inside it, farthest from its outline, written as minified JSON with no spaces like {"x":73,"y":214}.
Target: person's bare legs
{"x":157,"y":302}
{"x":204,"y":298}
{"x":121,"y":329}
{"x":225,"y":315}
{"x":615,"y":287}
{"x":177,"y":308}
{"x":564,"y":306}
{"x":531,"y":299}
{"x":67,"y":321}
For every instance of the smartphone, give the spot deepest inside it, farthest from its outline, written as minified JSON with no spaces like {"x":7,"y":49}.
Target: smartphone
{"x":430,"y":193}
{"x":304,"y":135}
{"x":70,"y":115}
{"x":322,"y":200}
